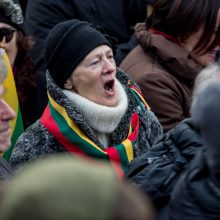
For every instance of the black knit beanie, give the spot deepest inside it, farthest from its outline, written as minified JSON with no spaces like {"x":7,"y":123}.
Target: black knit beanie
{"x":67,"y":44}
{"x":11,"y":13}
{"x":206,"y":116}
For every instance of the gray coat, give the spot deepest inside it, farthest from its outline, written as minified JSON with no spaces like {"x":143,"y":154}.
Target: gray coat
{"x":37,"y":141}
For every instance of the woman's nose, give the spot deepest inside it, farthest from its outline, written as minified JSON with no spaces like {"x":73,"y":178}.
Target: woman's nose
{"x":7,"y":113}
{"x":110,"y":66}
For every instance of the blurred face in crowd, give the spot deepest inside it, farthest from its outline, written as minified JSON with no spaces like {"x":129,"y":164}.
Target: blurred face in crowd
{"x":94,"y":77}
{"x":6,"y":115}
{"x":10,"y":35}
{"x":208,"y":57}
{"x":204,"y":59}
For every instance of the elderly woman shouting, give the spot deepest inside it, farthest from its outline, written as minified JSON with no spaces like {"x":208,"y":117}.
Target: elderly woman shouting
{"x":94,"y":109}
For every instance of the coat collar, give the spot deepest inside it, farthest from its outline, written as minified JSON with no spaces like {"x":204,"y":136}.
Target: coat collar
{"x":169,"y":54}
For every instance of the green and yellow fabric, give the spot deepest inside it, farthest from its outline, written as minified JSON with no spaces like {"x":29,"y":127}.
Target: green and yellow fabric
{"x":66,"y":131}
{"x":11,"y":98}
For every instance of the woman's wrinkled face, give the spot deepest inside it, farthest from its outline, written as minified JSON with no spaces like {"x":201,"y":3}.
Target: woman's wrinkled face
{"x":94,"y":78}
{"x":10,"y":47}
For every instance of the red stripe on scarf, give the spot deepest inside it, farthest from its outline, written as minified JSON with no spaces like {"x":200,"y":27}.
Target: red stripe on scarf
{"x":49,"y":123}
{"x":115,"y":161}
{"x":135,"y":123}
{"x":167,"y":36}
{"x":137,"y":90}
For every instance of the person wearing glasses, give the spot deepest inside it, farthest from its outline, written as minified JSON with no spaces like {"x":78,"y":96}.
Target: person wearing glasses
{"x":17,"y":45}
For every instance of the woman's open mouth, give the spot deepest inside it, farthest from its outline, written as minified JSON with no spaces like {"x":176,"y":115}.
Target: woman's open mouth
{"x":109,"y":87}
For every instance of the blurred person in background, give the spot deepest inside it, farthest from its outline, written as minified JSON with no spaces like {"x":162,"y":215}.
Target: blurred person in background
{"x":177,"y":40}
{"x":157,"y":171}
{"x":17,"y":46}
{"x":6,"y":116}
{"x":63,"y":187}
{"x":196,"y":195}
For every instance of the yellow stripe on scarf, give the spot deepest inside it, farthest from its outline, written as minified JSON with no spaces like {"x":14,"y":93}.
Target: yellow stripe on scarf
{"x":128,"y":143}
{"x":63,"y":112}
{"x":129,"y":149}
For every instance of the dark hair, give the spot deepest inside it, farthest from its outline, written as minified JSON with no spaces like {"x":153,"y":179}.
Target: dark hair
{"x":25,"y":78}
{"x":182,"y":18}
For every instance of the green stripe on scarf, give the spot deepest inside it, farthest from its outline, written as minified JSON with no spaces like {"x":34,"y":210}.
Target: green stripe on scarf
{"x":66,"y":131}
{"x":123,"y":155}
{"x":72,"y":136}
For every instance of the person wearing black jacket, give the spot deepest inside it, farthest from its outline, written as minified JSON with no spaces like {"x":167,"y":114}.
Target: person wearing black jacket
{"x":23,"y":4}
{"x":181,"y":170}
{"x":197,"y":193}
{"x":157,"y":171}
{"x":116,"y":17}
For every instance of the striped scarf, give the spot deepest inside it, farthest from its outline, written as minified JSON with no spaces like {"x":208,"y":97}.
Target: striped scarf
{"x":68,"y":134}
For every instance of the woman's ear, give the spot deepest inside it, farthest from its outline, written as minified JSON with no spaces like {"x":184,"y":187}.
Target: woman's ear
{"x":68,"y":84}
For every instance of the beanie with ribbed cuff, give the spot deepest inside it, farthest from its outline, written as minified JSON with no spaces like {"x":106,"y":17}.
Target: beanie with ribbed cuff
{"x":11,"y":13}
{"x":66,"y":46}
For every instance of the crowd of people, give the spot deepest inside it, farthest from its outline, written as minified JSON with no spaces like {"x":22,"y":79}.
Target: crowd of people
{"x":119,"y":101}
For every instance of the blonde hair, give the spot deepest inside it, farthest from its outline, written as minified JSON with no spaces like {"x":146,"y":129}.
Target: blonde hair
{"x":3,"y":70}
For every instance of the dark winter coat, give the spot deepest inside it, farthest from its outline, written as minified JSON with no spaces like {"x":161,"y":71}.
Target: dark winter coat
{"x":157,"y":171}
{"x":116,"y":16}
{"x":37,"y":141}
{"x":165,"y":73}
{"x":196,"y":194}
{"x":5,"y":169}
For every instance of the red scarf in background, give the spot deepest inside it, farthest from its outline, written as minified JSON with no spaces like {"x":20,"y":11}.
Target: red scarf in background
{"x":167,"y":36}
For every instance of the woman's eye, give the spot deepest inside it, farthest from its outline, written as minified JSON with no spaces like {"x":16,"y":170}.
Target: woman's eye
{"x":110,"y":57}
{"x":94,"y":62}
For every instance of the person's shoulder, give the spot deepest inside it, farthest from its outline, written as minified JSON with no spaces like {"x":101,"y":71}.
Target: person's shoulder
{"x":34,"y":143}
{"x":136,"y":60}
{"x":33,"y":134}
{"x":142,"y":67}
{"x":122,"y":77}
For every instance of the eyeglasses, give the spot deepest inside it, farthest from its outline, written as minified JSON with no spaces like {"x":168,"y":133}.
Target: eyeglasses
{"x":8,"y":33}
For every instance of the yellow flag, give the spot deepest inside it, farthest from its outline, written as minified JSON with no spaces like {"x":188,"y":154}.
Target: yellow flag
{"x":12,"y":99}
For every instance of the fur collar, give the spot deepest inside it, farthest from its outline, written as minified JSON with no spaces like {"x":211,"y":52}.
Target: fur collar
{"x":102,"y":119}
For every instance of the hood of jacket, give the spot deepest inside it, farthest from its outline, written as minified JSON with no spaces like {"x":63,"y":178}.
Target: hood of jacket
{"x":169,"y":54}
